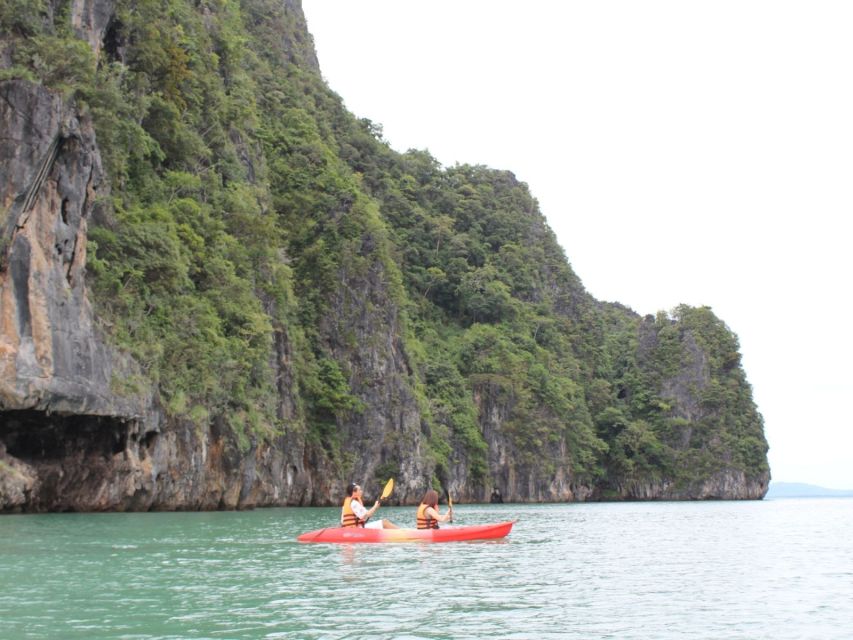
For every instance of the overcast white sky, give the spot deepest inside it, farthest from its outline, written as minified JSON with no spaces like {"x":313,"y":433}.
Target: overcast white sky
{"x":695,"y":152}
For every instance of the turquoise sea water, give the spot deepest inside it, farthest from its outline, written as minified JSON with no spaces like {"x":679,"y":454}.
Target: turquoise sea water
{"x":772,"y":569}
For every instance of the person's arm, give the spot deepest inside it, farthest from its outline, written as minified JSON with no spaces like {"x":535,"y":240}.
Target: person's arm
{"x":435,"y":515}
{"x":362,"y":513}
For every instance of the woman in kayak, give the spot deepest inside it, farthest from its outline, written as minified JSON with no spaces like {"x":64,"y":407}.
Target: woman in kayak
{"x":354,"y":514}
{"x":428,"y":515}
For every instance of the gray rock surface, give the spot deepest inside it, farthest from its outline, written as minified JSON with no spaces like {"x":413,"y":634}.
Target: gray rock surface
{"x":51,"y":355}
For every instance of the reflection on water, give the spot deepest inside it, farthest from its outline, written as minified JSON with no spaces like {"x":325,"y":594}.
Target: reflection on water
{"x":773,"y":569}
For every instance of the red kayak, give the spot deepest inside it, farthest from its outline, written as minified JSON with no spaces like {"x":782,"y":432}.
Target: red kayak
{"x":348,"y":535}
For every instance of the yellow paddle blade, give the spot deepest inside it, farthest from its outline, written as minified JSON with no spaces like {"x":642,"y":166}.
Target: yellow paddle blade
{"x":389,"y":487}
{"x":449,"y":501}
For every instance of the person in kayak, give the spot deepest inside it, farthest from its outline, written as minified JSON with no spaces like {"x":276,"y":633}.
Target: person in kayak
{"x":354,"y":513}
{"x":428,"y":515}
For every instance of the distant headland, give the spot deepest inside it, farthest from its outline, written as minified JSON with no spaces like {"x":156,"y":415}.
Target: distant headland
{"x":802,"y":490}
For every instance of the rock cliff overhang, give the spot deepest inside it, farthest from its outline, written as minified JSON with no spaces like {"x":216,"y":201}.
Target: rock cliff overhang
{"x":53,"y":462}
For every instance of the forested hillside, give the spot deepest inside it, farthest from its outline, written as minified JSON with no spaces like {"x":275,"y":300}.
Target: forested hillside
{"x":285,"y":303}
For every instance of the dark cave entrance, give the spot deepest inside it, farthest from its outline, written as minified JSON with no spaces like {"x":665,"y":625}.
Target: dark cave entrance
{"x":76,"y":460}
{"x":36,"y":436}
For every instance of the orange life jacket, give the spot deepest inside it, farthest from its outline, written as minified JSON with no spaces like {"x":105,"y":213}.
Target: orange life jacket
{"x":348,"y":517}
{"x":424,"y":521}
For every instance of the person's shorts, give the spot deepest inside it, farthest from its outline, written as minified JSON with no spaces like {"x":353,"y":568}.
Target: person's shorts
{"x":371,"y":524}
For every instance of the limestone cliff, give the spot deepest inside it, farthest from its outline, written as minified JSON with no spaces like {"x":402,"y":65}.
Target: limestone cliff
{"x":53,"y":359}
{"x":219,"y":289}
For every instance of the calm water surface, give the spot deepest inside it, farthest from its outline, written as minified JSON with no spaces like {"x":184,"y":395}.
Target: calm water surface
{"x":772,"y":569}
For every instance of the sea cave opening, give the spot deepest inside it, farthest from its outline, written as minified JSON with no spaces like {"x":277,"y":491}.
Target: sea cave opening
{"x":37,"y":436}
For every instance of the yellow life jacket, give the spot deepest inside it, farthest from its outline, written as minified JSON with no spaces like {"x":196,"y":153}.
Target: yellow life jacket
{"x":424,"y":521}
{"x":348,"y":517}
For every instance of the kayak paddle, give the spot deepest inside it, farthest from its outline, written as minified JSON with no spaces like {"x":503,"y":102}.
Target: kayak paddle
{"x":450,"y":505}
{"x":389,"y":487}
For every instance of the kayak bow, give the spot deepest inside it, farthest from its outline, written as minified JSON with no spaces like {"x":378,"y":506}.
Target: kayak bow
{"x":350,"y":535}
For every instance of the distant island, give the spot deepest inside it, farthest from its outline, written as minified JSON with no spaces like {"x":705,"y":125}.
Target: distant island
{"x":802,"y":490}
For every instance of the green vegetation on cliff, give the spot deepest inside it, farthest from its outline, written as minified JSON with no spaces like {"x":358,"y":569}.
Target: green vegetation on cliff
{"x":246,"y":202}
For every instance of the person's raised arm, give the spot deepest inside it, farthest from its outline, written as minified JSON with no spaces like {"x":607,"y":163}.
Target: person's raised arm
{"x":363,"y":513}
{"x":372,"y":509}
{"x":435,"y":515}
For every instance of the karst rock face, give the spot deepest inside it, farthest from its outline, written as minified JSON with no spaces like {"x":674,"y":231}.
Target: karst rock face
{"x":76,"y":431}
{"x":83,"y":428}
{"x":53,"y":363}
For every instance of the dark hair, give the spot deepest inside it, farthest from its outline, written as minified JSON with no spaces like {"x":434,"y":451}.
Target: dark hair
{"x":351,"y":488}
{"x":430,"y":498}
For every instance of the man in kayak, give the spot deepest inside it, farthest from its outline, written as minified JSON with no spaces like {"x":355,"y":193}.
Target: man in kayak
{"x":354,"y":514}
{"x":428,"y":515}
